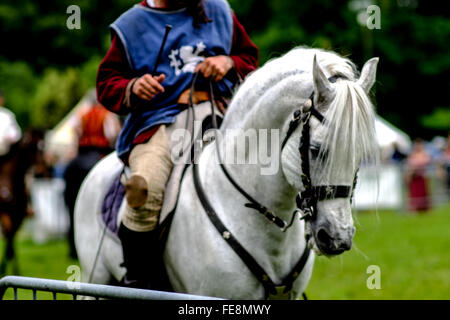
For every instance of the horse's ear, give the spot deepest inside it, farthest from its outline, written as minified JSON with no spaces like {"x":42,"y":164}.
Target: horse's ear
{"x":322,"y":87}
{"x":368,"y":74}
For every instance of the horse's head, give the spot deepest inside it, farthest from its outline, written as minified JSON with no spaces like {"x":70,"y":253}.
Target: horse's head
{"x":331,"y":149}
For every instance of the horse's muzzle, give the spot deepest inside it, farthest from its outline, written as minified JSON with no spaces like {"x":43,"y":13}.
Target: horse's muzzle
{"x":333,"y":244}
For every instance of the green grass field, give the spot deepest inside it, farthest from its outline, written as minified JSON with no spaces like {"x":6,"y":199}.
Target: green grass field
{"x":412,"y":251}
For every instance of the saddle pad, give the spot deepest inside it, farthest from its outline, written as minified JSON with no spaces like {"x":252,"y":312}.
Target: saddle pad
{"x":111,"y":204}
{"x":114,"y":200}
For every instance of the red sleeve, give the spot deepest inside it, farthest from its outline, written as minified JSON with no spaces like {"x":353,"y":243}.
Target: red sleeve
{"x":113,"y":76}
{"x":244,"y":52}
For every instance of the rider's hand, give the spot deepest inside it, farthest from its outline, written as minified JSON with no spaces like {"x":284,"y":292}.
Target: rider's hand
{"x":146,"y":87}
{"x":215,"y":67}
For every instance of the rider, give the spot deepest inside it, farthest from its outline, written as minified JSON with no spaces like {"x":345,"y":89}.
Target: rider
{"x":10,"y":132}
{"x":207,"y":38}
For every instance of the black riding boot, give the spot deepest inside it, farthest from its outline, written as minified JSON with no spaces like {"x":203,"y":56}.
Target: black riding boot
{"x":140,"y":255}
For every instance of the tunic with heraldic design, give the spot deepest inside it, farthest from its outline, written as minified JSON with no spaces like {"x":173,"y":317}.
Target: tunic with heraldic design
{"x":141,"y":29}
{"x":116,"y":72}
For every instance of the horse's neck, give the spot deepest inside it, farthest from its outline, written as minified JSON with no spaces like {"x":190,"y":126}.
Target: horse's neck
{"x":266,"y":183}
{"x":270,"y":92}
{"x":270,"y":190}
{"x":268,"y":120}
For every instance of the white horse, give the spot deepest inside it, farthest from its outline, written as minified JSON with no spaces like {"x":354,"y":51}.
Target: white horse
{"x":198,"y":258}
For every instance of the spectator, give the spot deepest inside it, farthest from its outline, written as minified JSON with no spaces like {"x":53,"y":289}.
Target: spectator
{"x":416,"y":166}
{"x":97,"y":129}
{"x":446,"y":161}
{"x":10,"y":132}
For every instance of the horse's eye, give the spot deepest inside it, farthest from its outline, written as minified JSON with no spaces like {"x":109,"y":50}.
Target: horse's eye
{"x":314,"y":152}
{"x":317,"y":152}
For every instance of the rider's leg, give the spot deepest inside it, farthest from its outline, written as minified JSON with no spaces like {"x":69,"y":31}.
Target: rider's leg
{"x":150,"y":165}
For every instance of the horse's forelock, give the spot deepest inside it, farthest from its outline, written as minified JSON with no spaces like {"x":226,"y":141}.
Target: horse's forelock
{"x":350,"y":134}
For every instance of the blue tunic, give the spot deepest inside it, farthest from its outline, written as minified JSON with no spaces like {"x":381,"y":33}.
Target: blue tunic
{"x":141,"y":30}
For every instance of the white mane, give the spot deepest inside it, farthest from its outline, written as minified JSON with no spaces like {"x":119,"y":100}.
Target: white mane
{"x":295,"y":62}
{"x":350,"y":135}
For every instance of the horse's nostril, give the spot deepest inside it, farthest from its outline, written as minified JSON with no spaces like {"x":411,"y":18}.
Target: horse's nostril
{"x":330,"y":245}
{"x":324,"y":237}
{"x":346,"y":245}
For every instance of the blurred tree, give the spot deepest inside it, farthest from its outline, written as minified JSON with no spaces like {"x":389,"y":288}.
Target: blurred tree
{"x":56,"y":95}
{"x":18,"y":82}
{"x":413,"y":45}
{"x":438,"y":120}
{"x":40,"y":28}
